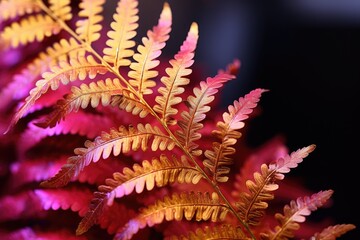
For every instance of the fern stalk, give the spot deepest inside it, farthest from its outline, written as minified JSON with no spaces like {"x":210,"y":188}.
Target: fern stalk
{"x":116,"y":72}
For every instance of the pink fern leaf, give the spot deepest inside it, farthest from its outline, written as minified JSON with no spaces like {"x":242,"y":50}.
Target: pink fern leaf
{"x":333,"y":232}
{"x":198,"y":107}
{"x":217,"y":159}
{"x":180,"y":68}
{"x":141,"y":73}
{"x":295,"y":213}
{"x":74,"y":198}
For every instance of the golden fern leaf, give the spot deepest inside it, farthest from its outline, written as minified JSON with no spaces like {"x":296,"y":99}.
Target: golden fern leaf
{"x":17,"y":8}
{"x":116,"y":142}
{"x":130,"y":103}
{"x":61,"y":9}
{"x":67,"y":71}
{"x":198,"y":107}
{"x":162,"y":171}
{"x":88,"y":29}
{"x":333,"y":232}
{"x":189,"y":205}
{"x":294,"y":214}
{"x":123,"y":31}
{"x":93,"y":94}
{"x":29,"y":29}
{"x":227,"y":131}
{"x":159,"y":172}
{"x":180,"y":67}
{"x":251,"y":207}
{"x":225,"y":231}
{"x":145,"y":58}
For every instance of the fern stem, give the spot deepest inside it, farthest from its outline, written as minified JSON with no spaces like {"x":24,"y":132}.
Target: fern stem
{"x":116,"y":72}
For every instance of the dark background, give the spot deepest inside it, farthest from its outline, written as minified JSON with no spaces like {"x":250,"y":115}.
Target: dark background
{"x":307,"y":53}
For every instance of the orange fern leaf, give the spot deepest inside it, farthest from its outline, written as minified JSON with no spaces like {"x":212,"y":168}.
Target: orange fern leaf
{"x":159,"y":172}
{"x":333,"y":232}
{"x":93,"y":94}
{"x":227,"y":131}
{"x":123,"y":31}
{"x":225,"y":231}
{"x":176,"y":77}
{"x":130,"y":103}
{"x":145,"y":59}
{"x":61,"y":9}
{"x":89,"y":28}
{"x":17,"y":8}
{"x":189,"y":205}
{"x":75,"y":69}
{"x":198,"y":107}
{"x":117,"y":141}
{"x":34,"y":27}
{"x":252,"y":205}
{"x":296,"y":213}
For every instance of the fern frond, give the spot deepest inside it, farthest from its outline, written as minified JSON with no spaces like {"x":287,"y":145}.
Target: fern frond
{"x":191,"y":205}
{"x":61,"y":9}
{"x":34,"y":27}
{"x":252,"y":205}
{"x":198,"y":107}
{"x":93,"y":94}
{"x":116,"y":142}
{"x":218,"y":158}
{"x":67,"y":71}
{"x":225,"y":231}
{"x":130,"y":103}
{"x":296,"y":213}
{"x":180,"y":68}
{"x":16,"y":8}
{"x":159,"y":172}
{"x":123,"y":31}
{"x":88,"y":29}
{"x":74,"y":198}
{"x":333,"y":232}
{"x":145,"y":59}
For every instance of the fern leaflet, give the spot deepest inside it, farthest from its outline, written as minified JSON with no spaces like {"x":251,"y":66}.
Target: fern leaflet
{"x":16,"y":8}
{"x":61,"y":9}
{"x":294,"y":214}
{"x":145,"y":59}
{"x":123,"y":31}
{"x":252,"y":205}
{"x":198,"y":106}
{"x":176,"y":77}
{"x":191,"y":205}
{"x":217,"y":159}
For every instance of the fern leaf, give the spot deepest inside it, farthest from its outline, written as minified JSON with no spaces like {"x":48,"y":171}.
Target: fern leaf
{"x":145,"y":58}
{"x":225,"y":231}
{"x":333,"y":232}
{"x":198,"y":107}
{"x":252,"y":205}
{"x":75,"y":69}
{"x":116,"y":142}
{"x":88,"y":29}
{"x":34,"y":27}
{"x":296,"y":213}
{"x":61,"y":9}
{"x":180,"y":67}
{"x":191,"y":205}
{"x":16,"y":8}
{"x":130,"y":103}
{"x":159,"y":172}
{"x":74,"y":198}
{"x":123,"y":31}
{"x":227,"y":131}
{"x":162,"y":171}
{"x":93,"y":94}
